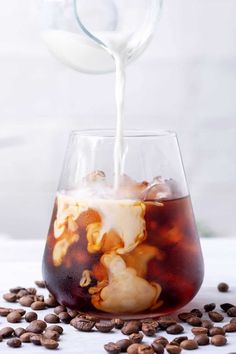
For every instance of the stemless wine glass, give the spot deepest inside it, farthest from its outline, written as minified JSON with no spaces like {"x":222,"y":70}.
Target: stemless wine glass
{"x":78,"y":31}
{"x":129,"y":252}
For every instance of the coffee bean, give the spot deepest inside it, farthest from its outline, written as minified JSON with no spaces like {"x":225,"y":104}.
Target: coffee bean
{"x":226,"y":306}
{"x":123,"y":344}
{"x":32,"y":291}
{"x":38,"y":305}
{"x":25,"y":337}
{"x":202,"y":339}
{"x":104,"y":326}
{"x":161,"y":340}
{"x":19,"y":331}
{"x":149,"y":329}
{"x":81,"y":324}
{"x":73,"y":313}
{"x":118,"y":323}
{"x":196,"y":313}
{"x":51,"y":301}
{"x":40,"y":284}
{"x":16,"y":289}
{"x":136,"y":337}
{"x":165,"y":323}
{"x":31,"y":316}
{"x":59,"y":309}
{"x":189,"y":344}
{"x":49,"y":343}
{"x":26,"y":300}
{"x":233,"y":320}
{"x":207,"y":324}
{"x":210,"y":307}
{"x":216,"y":330}
{"x":131,"y":327}
{"x":14,"y":317}
{"x":22,"y":293}
{"x":112,"y":348}
{"x":10,"y":297}
{"x":14,"y":342}
{"x":232,"y":312}
{"x":184,"y":316}
{"x":64,"y":317}
{"x":52,"y":318}
{"x":56,"y":328}
{"x":223,"y":287}
{"x":133,"y":348}
{"x":199,"y":330}
{"x":36,"y":339}
{"x":39,"y":298}
{"x":230,"y":327}
{"x":215,"y":316}
{"x":194,"y":321}
{"x":173,"y":349}
{"x":218,"y":340}
{"x":4,"y":311}
{"x":21,"y":311}
{"x":145,"y":349}
{"x":36,"y":326}
{"x":6,"y":332}
{"x":180,"y":339}
{"x":158,"y":348}
{"x":51,"y":334}
{"x":175,"y":329}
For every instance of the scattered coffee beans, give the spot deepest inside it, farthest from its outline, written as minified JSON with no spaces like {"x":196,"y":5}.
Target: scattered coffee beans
{"x":6,"y":332}
{"x":123,"y":344}
{"x":36,"y":339}
{"x":173,"y":349}
{"x":19,"y":331}
{"x":51,"y":335}
{"x":136,"y":337}
{"x":40,"y":283}
{"x":230,"y":327}
{"x":14,"y":342}
{"x":215,"y":316}
{"x":112,"y":348}
{"x":194,"y":321}
{"x":36,"y":326}
{"x":210,"y":307}
{"x":175,"y":329}
{"x":31,"y":316}
{"x":56,"y":328}
{"x":161,"y":340}
{"x":158,"y":348}
{"x":52,"y":318}
{"x":223,"y":287}
{"x":49,"y":343}
{"x":216,"y":330}
{"x":218,"y":340}
{"x":38,"y":305}
{"x":82,"y":324}
{"x":145,"y":349}
{"x":226,"y":306}
{"x":232,"y":312}
{"x":199,"y":330}
{"x":118,"y":323}
{"x":189,"y":344}
{"x":131,"y":327}
{"x":104,"y":326}
{"x":202,"y":339}
{"x":14,"y":317}
{"x":10,"y":297}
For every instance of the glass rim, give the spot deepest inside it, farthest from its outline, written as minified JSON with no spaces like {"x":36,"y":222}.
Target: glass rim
{"x":129,"y":133}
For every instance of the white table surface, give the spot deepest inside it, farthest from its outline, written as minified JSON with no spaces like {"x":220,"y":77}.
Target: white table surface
{"x":20,"y":264}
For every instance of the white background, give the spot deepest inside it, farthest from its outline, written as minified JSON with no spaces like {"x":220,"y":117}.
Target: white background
{"x":185,"y":81}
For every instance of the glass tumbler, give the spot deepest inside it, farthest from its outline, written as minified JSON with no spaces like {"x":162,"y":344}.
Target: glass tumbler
{"x":129,"y":252}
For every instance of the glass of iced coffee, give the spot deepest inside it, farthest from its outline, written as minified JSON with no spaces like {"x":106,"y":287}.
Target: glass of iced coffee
{"x":128,"y":249}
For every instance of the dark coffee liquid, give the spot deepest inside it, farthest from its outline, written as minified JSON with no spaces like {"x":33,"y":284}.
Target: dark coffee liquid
{"x":169,"y":258}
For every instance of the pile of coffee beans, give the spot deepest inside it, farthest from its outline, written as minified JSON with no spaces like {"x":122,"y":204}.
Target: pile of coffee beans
{"x":46,"y":332}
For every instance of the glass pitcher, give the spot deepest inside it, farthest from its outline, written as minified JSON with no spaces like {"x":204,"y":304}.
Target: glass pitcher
{"x":78,"y":32}
{"x":129,"y":252}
